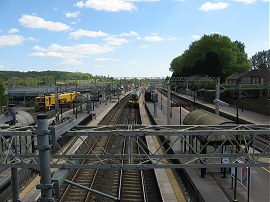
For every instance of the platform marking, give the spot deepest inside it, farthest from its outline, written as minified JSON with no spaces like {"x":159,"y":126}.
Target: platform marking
{"x":174,"y":184}
{"x":29,"y":187}
{"x":266,"y":169}
{"x":178,"y":192}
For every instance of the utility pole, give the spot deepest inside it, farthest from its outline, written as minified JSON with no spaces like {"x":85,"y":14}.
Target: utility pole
{"x":56,"y":106}
{"x":169,"y":105}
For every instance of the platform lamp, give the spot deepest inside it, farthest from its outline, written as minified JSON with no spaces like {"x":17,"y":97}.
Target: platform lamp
{"x":222,"y":103}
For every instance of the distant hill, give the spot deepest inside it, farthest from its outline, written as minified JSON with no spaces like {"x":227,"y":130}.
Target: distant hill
{"x":33,"y":78}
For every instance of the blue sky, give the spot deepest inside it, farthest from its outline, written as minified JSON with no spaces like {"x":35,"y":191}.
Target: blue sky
{"x":121,"y":38}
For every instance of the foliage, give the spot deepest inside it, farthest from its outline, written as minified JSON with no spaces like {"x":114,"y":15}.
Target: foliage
{"x":261,"y":57}
{"x":33,"y":78}
{"x":213,"y":55}
{"x":3,"y":97}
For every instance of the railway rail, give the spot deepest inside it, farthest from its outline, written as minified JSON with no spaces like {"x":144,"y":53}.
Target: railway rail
{"x":131,"y":185}
{"x":86,"y":177}
{"x":126,"y":185}
{"x":261,"y":144}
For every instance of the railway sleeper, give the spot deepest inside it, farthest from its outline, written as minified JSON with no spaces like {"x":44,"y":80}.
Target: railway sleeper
{"x":135,"y":190}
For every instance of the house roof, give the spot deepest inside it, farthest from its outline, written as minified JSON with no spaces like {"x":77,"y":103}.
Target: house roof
{"x":237,"y":76}
{"x":260,"y":72}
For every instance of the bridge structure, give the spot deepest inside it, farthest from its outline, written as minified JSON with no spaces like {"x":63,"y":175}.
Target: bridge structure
{"x":240,"y":138}
{"x":232,"y":146}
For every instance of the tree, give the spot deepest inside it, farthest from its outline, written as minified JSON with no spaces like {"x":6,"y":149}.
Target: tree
{"x":3,"y":96}
{"x":261,"y":57}
{"x":213,"y":55}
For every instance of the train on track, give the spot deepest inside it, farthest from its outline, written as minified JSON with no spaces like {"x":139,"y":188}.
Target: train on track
{"x":48,"y":101}
{"x":133,"y":99}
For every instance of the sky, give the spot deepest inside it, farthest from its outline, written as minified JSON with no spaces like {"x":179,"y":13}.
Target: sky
{"x":121,"y":38}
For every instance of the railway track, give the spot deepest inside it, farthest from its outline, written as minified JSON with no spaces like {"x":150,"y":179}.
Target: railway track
{"x":261,"y":144}
{"x":126,"y":185}
{"x":84,"y":177}
{"x":88,"y":177}
{"x":131,"y":185}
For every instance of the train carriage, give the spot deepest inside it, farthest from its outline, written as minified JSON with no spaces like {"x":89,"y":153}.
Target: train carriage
{"x":133,"y":100}
{"x":48,"y":101}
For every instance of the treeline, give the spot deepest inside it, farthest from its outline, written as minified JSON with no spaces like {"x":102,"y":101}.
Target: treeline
{"x":34,"y":78}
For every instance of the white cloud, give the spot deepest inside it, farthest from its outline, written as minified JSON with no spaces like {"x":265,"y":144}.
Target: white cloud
{"x":142,"y":0}
{"x":73,"y":14}
{"x":11,"y":40}
{"x":70,"y":54}
{"x":107,"y":5}
{"x":144,"y":46}
{"x":39,"y":48}
{"x":37,"y":22}
{"x":13,"y":31}
{"x":86,"y":33}
{"x":131,"y":34}
{"x":106,"y":60}
{"x":50,"y":54}
{"x":195,"y":36}
{"x":71,"y":61}
{"x":213,"y":6}
{"x":112,"y":40}
{"x":171,"y":38}
{"x":99,"y":66}
{"x":153,"y":38}
{"x":246,"y":1}
{"x":103,"y":59}
{"x":31,"y":39}
{"x":1,"y":66}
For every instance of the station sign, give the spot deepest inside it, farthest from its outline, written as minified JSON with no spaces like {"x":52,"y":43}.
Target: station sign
{"x":243,"y":175}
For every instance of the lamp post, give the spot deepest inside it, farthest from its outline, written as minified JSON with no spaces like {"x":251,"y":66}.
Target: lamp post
{"x":161,"y":100}
{"x":222,"y":103}
{"x":180,"y":115}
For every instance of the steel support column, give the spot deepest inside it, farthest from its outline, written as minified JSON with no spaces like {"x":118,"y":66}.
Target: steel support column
{"x":130,"y":149}
{"x":43,"y":146}
{"x":169,"y":105}
{"x":217,"y":95}
{"x":14,"y":171}
{"x":56,"y":106}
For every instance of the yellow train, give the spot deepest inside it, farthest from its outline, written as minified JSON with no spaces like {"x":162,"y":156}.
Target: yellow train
{"x":48,"y":101}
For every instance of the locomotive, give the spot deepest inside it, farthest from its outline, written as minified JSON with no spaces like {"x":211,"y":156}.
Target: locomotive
{"x":48,"y":101}
{"x":133,"y":100}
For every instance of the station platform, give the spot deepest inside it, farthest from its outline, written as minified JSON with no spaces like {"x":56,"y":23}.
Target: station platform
{"x":249,"y":116}
{"x":29,"y":193}
{"x":167,"y":182}
{"x":209,"y":187}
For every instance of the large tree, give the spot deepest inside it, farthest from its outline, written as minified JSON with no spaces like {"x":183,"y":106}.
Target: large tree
{"x":3,"y":96}
{"x":261,"y":57}
{"x":212,"y":55}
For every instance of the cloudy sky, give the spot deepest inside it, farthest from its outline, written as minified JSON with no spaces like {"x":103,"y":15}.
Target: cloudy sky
{"x":121,"y":38}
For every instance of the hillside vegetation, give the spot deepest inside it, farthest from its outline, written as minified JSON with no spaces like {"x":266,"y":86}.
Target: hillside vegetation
{"x":34,"y":78}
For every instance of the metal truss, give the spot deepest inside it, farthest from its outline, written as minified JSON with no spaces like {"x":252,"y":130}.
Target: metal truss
{"x":245,"y":86}
{"x":192,"y":79}
{"x":211,"y":146}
